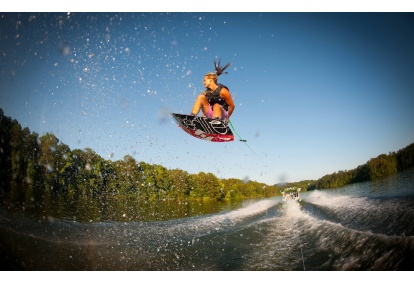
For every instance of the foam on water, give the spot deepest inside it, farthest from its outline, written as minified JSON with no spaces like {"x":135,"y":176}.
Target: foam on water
{"x":199,"y":226}
{"x":325,"y":231}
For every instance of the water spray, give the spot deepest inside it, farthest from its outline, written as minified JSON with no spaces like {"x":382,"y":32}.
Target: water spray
{"x":245,"y":142}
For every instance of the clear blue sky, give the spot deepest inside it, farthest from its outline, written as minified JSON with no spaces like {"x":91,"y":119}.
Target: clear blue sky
{"x":315,"y":93}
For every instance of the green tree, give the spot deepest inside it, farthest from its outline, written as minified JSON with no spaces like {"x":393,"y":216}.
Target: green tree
{"x":179,"y":184}
{"x":209,"y":186}
{"x":129,"y":177}
{"x":5,"y":150}
{"x":381,"y":166}
{"x":17,"y":159}
{"x":92,"y":172}
{"x":405,"y":157}
{"x":49,"y":159}
{"x":31,"y":153}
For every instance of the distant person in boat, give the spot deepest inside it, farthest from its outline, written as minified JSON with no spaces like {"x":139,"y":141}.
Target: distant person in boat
{"x":216,"y":101}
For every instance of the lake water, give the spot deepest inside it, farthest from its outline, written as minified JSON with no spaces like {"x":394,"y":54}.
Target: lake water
{"x":366,"y":226}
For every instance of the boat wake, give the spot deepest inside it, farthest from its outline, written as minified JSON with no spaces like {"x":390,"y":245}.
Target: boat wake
{"x":324,"y":231}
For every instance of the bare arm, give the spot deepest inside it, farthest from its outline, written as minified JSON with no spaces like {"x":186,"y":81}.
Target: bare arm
{"x":225,"y":94}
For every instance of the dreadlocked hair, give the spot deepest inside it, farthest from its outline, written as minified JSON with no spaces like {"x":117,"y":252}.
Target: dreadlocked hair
{"x":219,"y":70}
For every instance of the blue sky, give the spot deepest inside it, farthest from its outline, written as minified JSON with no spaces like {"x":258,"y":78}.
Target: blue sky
{"x":315,"y":93}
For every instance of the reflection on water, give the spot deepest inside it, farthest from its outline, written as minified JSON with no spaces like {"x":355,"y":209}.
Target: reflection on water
{"x":365,"y":226}
{"x":46,"y":203}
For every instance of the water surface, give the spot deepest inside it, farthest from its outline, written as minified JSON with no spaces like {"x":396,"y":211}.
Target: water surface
{"x":366,"y":226}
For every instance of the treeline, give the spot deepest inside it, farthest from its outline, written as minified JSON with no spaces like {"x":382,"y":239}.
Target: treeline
{"x":30,"y":159}
{"x":376,"y":168}
{"x":44,"y":161}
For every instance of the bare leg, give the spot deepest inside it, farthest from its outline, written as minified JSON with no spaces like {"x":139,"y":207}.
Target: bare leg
{"x":201,"y":103}
{"x":217,"y":111}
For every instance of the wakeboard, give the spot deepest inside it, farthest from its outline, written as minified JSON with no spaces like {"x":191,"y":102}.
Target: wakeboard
{"x":214,"y":130}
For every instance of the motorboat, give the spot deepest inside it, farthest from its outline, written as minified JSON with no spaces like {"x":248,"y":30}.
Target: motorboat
{"x":291,"y":194}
